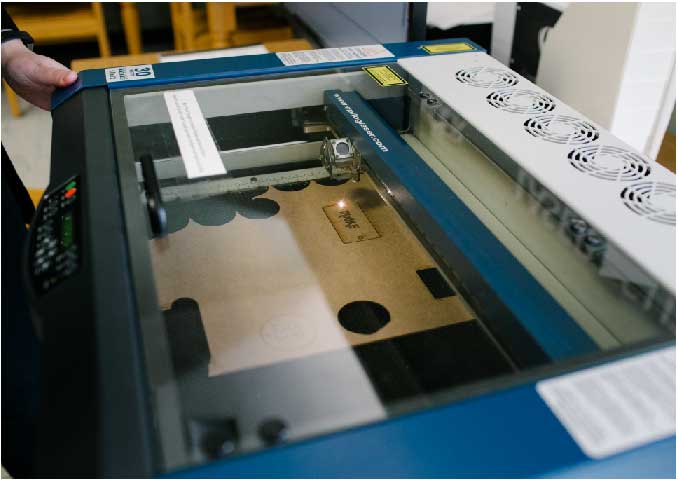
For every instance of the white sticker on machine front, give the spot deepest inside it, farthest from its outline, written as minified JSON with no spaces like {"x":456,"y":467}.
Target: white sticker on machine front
{"x":135,"y":72}
{"x":618,"y":406}
{"x":198,"y":150}
{"x":327,"y":55}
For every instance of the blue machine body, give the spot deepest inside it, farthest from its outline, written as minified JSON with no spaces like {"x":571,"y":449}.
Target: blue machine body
{"x":509,"y":432}
{"x":506,"y":434}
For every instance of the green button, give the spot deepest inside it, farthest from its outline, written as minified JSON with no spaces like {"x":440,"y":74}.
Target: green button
{"x":70,"y":185}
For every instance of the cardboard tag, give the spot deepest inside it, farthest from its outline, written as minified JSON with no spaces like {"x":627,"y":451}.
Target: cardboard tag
{"x":350,"y":222}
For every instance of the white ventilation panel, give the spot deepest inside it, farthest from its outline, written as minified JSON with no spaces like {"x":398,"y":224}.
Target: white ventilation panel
{"x":627,"y":198}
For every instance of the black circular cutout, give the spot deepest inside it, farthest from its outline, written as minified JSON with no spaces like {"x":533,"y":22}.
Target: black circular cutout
{"x":331,"y":182}
{"x":292,"y":187}
{"x":363,"y":317}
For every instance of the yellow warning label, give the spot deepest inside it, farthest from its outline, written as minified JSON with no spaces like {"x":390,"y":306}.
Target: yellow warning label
{"x":385,"y":76}
{"x":448,"y":48}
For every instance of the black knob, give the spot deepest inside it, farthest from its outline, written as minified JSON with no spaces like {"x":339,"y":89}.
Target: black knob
{"x":272,"y":431}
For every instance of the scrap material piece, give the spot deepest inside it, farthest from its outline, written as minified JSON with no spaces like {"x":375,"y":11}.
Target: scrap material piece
{"x":270,"y":289}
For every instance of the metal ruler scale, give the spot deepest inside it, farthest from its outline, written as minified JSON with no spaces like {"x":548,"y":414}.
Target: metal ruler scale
{"x":210,"y":187}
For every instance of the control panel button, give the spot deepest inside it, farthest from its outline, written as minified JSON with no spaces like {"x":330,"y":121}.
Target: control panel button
{"x":54,"y":246}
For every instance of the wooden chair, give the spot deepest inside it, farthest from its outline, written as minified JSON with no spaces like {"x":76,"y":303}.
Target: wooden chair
{"x":131,"y":26}
{"x":217,"y":26}
{"x":53,"y":23}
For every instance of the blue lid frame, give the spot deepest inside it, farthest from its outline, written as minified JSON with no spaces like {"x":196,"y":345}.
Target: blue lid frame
{"x":243,"y":66}
{"x":507,"y":434}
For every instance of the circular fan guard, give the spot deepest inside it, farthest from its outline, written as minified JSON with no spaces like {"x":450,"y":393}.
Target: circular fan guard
{"x":487,"y":77}
{"x":561,"y":129}
{"x":521,"y":101}
{"x":609,"y":163}
{"x":653,"y":200}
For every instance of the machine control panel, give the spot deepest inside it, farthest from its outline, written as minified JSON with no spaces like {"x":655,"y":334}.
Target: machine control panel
{"x":54,"y":253}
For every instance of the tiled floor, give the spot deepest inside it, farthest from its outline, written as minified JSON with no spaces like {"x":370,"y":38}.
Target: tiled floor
{"x":27,"y":140}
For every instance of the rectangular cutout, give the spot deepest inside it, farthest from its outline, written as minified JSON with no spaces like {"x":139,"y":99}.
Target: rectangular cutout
{"x":431,"y":361}
{"x":435,"y":283}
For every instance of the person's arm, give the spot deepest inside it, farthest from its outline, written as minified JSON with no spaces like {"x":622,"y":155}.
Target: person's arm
{"x":32,"y":76}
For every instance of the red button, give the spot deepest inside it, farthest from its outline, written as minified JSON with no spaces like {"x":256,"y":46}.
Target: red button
{"x":70,"y":193}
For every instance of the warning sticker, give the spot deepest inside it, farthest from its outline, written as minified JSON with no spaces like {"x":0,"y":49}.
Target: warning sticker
{"x":350,"y":222}
{"x":136,"y":72}
{"x":618,"y":406}
{"x":448,"y":48}
{"x":326,"y":55}
{"x":385,"y":76}
{"x":198,"y":150}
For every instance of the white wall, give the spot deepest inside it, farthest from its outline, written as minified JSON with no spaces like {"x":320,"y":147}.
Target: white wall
{"x":615,"y":62}
{"x":445,"y":15}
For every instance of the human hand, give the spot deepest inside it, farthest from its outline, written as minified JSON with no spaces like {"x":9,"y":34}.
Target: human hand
{"x":34,"y":77}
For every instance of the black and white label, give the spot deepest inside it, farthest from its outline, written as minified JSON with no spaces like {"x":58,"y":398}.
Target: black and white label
{"x":198,"y":150}
{"x":328,"y":55}
{"x":618,"y":406}
{"x":136,"y":72}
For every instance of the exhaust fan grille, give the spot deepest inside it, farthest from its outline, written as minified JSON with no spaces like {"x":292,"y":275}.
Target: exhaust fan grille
{"x":653,"y":200}
{"x":487,"y":77}
{"x":609,"y":163}
{"x":521,"y":101}
{"x":561,"y":129}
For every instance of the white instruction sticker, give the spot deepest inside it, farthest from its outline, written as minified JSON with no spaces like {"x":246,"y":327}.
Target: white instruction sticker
{"x":325,"y":55}
{"x":618,"y":406}
{"x":198,"y":150}
{"x":136,"y":72}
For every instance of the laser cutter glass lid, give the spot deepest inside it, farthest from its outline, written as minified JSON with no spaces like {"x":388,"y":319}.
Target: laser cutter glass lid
{"x":297,"y":296}
{"x":294,"y":298}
